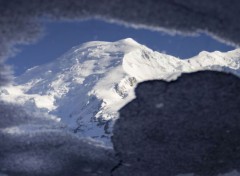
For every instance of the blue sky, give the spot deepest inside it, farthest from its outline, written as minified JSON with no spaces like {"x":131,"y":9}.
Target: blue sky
{"x":59,"y":37}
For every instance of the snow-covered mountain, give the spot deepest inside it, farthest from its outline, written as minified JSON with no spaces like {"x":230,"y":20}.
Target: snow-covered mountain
{"x":87,"y":86}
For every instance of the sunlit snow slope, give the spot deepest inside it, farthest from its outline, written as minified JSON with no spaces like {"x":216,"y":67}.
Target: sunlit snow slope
{"x":88,"y":85}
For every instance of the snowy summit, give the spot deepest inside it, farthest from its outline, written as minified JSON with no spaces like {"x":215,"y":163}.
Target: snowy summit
{"x":87,"y":86}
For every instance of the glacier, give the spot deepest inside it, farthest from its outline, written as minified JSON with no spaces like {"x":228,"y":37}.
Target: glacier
{"x":85,"y":88}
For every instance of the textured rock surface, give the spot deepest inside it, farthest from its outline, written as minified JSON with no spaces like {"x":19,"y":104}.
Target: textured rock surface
{"x":35,"y":146}
{"x":191,"y":125}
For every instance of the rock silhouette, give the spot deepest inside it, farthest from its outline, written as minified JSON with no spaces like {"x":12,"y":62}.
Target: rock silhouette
{"x":191,"y":125}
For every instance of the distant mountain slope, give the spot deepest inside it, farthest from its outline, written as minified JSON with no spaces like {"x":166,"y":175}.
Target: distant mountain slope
{"x":87,"y":86}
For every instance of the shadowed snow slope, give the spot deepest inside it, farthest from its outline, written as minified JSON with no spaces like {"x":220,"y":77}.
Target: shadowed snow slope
{"x":87,"y":86}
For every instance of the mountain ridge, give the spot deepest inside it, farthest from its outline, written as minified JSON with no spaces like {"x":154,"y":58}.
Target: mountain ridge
{"x":87,"y":86}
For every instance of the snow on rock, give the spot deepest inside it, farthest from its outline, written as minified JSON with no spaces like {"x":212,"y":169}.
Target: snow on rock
{"x":87,"y":86}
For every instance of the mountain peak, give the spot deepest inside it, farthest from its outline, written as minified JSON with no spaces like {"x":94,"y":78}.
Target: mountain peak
{"x":129,"y":41}
{"x":87,"y":86}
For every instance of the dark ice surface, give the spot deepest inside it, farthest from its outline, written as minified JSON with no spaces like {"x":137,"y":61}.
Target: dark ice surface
{"x":36,"y":146}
